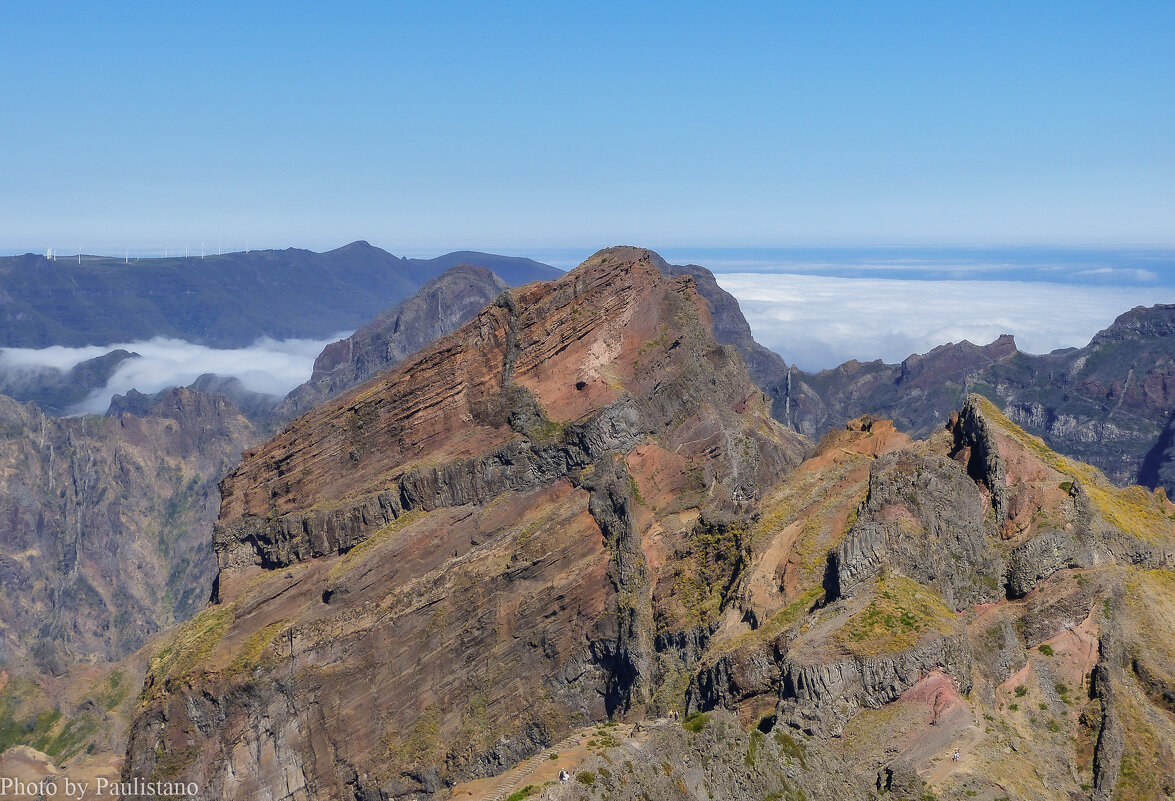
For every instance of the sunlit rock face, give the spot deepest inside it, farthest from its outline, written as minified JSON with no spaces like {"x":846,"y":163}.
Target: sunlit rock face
{"x":529,"y":524}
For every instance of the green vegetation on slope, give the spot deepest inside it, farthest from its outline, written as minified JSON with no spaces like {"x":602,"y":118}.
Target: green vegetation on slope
{"x":186,"y":648}
{"x":899,"y":613}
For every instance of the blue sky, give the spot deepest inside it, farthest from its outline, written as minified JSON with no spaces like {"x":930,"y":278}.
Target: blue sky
{"x":511,"y":125}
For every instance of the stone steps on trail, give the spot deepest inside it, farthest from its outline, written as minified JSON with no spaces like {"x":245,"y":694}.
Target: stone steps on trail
{"x":510,"y":780}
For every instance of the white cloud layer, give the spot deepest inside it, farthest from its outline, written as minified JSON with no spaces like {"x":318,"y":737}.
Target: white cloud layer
{"x":268,"y":365}
{"x":817,"y":322}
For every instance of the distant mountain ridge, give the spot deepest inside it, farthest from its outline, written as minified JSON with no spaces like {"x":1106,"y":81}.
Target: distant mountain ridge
{"x":58,"y":392}
{"x":224,"y":301}
{"x":1110,"y":403}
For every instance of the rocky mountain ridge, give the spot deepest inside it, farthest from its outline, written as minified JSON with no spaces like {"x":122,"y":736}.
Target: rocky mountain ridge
{"x":1108,"y":404}
{"x":488,"y":480}
{"x":576,"y":508}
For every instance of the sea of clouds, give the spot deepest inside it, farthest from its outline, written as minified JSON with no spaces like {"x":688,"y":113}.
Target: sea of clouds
{"x":817,"y":322}
{"x":268,"y":365}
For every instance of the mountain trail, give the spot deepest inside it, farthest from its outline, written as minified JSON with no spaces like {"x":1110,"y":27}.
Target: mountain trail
{"x":540,"y":768}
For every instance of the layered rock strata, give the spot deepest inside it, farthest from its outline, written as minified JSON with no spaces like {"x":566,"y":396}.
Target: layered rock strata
{"x":527,"y":524}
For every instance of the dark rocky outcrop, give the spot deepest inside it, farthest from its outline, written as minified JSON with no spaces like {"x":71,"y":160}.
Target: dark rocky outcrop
{"x":974,"y":436}
{"x":821,"y":697}
{"x":925,"y":518}
{"x":257,"y":407}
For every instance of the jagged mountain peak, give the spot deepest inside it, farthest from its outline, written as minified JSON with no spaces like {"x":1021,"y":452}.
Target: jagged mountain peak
{"x":541,"y":494}
{"x":1145,"y":322}
{"x":614,"y":327}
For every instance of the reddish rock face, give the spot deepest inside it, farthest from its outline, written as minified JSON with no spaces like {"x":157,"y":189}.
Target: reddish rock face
{"x":527,"y":524}
{"x":577,"y":507}
{"x":572,"y":344}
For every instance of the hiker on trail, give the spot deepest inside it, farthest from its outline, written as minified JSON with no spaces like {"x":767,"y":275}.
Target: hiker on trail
{"x":564,"y":775}
{"x":955,"y":758}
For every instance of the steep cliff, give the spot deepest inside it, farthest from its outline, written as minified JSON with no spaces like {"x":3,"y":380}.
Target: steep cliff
{"x":533,"y":522}
{"x":106,"y":523}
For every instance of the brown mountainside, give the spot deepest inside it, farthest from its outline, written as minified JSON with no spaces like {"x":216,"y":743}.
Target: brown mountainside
{"x":576,"y":508}
{"x":529,"y":524}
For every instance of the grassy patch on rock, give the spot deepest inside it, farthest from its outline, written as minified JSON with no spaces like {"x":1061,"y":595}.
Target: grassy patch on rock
{"x":780,"y":622}
{"x":249,"y":654}
{"x":900,"y":612}
{"x":188,"y":646}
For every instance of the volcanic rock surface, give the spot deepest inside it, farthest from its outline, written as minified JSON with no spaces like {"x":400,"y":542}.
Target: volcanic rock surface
{"x":530,"y":523}
{"x":577,"y":508}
